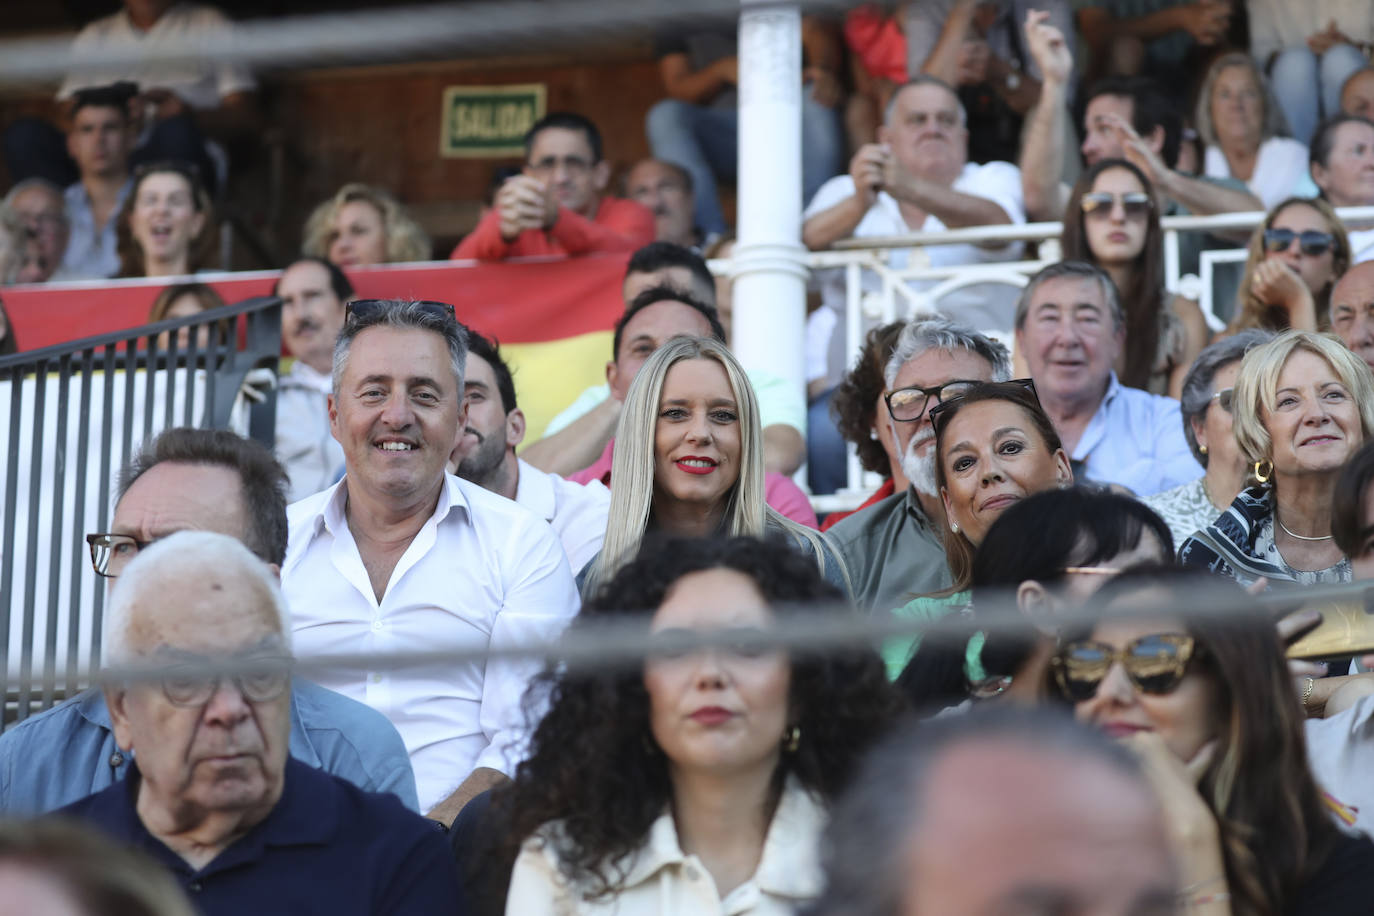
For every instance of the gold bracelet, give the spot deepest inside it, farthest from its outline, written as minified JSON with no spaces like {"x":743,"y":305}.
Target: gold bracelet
{"x":1307,"y":690}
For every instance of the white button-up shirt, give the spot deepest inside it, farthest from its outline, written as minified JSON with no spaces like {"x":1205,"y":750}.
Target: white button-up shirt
{"x":1136,"y":440}
{"x":662,"y":880}
{"x":1341,"y":752}
{"x":576,"y":511}
{"x":306,"y":447}
{"x":482,"y":571}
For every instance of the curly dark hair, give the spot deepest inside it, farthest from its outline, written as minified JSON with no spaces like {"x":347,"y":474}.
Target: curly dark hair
{"x":854,"y":405}
{"x":589,"y":766}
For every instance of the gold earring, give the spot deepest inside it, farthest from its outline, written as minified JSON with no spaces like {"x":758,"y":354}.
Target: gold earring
{"x":1202,"y":449}
{"x":1263,"y":477}
{"x":793,"y":739}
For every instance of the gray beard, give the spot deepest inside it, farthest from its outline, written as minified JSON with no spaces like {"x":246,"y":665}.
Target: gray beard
{"x":920,"y":472}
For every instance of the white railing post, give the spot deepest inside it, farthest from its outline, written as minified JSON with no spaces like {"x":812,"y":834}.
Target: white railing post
{"x":769,"y":260}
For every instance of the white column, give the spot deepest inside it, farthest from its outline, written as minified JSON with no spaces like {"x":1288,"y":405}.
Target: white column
{"x":769,"y":269}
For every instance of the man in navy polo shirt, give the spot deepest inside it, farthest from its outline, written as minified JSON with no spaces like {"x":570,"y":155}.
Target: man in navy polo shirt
{"x":213,"y":794}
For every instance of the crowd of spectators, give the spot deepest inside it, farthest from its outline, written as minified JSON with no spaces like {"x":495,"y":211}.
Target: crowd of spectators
{"x":313,"y":653}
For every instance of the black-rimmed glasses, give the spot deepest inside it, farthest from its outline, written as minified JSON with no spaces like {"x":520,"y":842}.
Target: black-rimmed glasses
{"x":368,"y":309}
{"x":907,"y":405}
{"x":1020,"y":390}
{"x":110,"y":553}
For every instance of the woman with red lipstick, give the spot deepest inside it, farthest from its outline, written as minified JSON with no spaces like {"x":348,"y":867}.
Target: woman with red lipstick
{"x":166,"y":227}
{"x":699,"y":781}
{"x":1302,"y":405}
{"x":1207,"y":703}
{"x":1112,"y":220}
{"x":1295,"y":258}
{"x":689,"y":462}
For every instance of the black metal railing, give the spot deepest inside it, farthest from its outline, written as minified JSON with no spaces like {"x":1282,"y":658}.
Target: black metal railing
{"x":73,"y":414}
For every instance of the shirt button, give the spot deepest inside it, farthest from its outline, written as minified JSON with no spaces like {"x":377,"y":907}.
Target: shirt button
{"x":376,"y":678}
{"x":692,"y":873}
{"x":194,"y":887}
{"x":376,"y":624}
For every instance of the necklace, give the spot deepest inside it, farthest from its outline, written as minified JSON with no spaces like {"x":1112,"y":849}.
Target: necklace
{"x":1298,"y":536}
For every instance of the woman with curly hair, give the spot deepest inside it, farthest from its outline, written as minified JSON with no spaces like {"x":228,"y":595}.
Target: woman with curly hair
{"x":689,"y":462}
{"x":362,"y":225}
{"x":1112,"y":220}
{"x":166,"y":227}
{"x":1208,"y":704}
{"x":699,"y":781}
{"x":1295,"y":257}
{"x":861,"y":416}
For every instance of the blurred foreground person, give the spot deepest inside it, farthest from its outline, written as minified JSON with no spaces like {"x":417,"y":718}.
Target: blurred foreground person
{"x":57,"y":868}
{"x":697,"y":782}
{"x":212,"y":793}
{"x":1207,"y":704}
{"x":999,"y":811}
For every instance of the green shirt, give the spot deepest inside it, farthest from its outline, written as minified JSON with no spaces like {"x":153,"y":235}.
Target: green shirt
{"x":893,"y":553}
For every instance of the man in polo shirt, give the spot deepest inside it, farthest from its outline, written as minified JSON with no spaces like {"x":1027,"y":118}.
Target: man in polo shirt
{"x":556,"y":205}
{"x":895,"y":548}
{"x":201,"y":480}
{"x":1070,"y":327}
{"x":486,"y":456}
{"x":213,"y":794}
{"x":401,"y":557}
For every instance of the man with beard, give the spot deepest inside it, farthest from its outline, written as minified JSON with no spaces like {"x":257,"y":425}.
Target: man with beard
{"x":313,"y":292}
{"x":555,"y":206}
{"x":485,"y":455}
{"x":666,"y":189}
{"x":893,"y":548}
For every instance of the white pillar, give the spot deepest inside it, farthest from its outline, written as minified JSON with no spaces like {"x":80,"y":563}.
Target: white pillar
{"x":769,"y":261}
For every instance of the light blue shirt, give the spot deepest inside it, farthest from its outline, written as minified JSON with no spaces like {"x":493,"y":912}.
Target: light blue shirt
{"x":90,"y":255}
{"x":1136,"y":440}
{"x":68,"y":752}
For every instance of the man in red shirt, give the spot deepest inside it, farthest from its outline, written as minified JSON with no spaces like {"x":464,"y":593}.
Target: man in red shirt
{"x":555,"y":205}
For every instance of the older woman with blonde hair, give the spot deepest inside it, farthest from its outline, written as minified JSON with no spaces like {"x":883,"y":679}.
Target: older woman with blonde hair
{"x":1295,"y":258}
{"x":1302,"y":405}
{"x":689,"y":461}
{"x":1245,"y":132}
{"x":362,"y":225}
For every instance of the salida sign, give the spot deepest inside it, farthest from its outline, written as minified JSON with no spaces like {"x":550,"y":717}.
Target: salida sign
{"x":489,"y":121}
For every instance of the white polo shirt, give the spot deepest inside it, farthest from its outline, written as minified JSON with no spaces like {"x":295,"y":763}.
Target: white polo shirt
{"x":483,"y":570}
{"x":577,"y":512}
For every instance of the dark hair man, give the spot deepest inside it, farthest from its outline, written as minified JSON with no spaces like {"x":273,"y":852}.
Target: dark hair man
{"x":99,"y":139}
{"x":666,"y":189}
{"x":193,"y":480}
{"x":555,"y":206}
{"x":486,"y":456}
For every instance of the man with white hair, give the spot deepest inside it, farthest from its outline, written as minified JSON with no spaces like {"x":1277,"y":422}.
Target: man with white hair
{"x":43,"y":208}
{"x":894,"y":548}
{"x":203,"y":705}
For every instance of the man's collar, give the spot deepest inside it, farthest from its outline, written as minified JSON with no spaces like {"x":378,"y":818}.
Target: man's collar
{"x":334,"y":518}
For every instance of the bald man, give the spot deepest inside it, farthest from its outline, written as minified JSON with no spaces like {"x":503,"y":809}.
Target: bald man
{"x":1352,"y":310}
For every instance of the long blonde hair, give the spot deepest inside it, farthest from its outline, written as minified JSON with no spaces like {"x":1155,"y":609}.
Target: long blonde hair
{"x":632,"y":468}
{"x":1250,"y":311}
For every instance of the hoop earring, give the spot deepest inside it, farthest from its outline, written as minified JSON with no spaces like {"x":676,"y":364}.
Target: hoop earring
{"x":793,"y":739}
{"x":1263,"y":477}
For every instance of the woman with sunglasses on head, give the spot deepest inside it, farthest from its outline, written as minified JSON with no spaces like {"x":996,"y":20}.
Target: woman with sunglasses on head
{"x":994,"y":446}
{"x":1207,"y":702}
{"x":1302,"y":405}
{"x":166,"y":227}
{"x":1206,"y":408}
{"x":1112,"y":220}
{"x":697,"y":781}
{"x":1295,"y":258}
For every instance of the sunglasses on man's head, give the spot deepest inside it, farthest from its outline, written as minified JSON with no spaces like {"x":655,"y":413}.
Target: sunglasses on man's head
{"x":1100,"y":203}
{"x":1310,"y":241}
{"x":1021,"y":390}
{"x":1154,"y":664}
{"x":368,"y":309}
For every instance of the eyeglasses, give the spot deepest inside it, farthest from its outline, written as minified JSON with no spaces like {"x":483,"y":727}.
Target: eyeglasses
{"x":1019,"y":390}
{"x":907,"y":405}
{"x":574,"y":165}
{"x":110,"y":553}
{"x":370,"y":309}
{"x":1310,"y":241}
{"x":1225,"y":398}
{"x":259,"y":680}
{"x":1101,"y":203}
{"x":1154,"y":664}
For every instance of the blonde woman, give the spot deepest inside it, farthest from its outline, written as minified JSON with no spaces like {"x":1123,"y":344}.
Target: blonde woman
{"x":1302,"y":405}
{"x":362,"y":225}
{"x":689,"y":461}
{"x":1295,"y":257}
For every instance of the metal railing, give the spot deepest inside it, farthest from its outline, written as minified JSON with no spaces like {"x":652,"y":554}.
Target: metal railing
{"x":73,"y":415}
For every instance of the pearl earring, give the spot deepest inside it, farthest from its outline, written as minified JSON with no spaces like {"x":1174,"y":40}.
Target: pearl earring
{"x":1202,"y":449}
{"x":954,"y":526}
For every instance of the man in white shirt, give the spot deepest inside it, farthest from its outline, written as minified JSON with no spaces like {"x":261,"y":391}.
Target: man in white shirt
{"x":917,"y":178}
{"x":399,"y":557}
{"x":1070,"y":328}
{"x":486,"y":456}
{"x":313,"y":292}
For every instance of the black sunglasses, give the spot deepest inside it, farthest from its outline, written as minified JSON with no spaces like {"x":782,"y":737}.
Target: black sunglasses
{"x":1154,"y":664}
{"x":1099,"y":203}
{"x":1019,"y":390}
{"x":1310,"y":241}
{"x":369,"y":309}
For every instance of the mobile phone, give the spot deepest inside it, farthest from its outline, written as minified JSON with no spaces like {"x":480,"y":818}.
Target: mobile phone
{"x":1347,"y":628}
